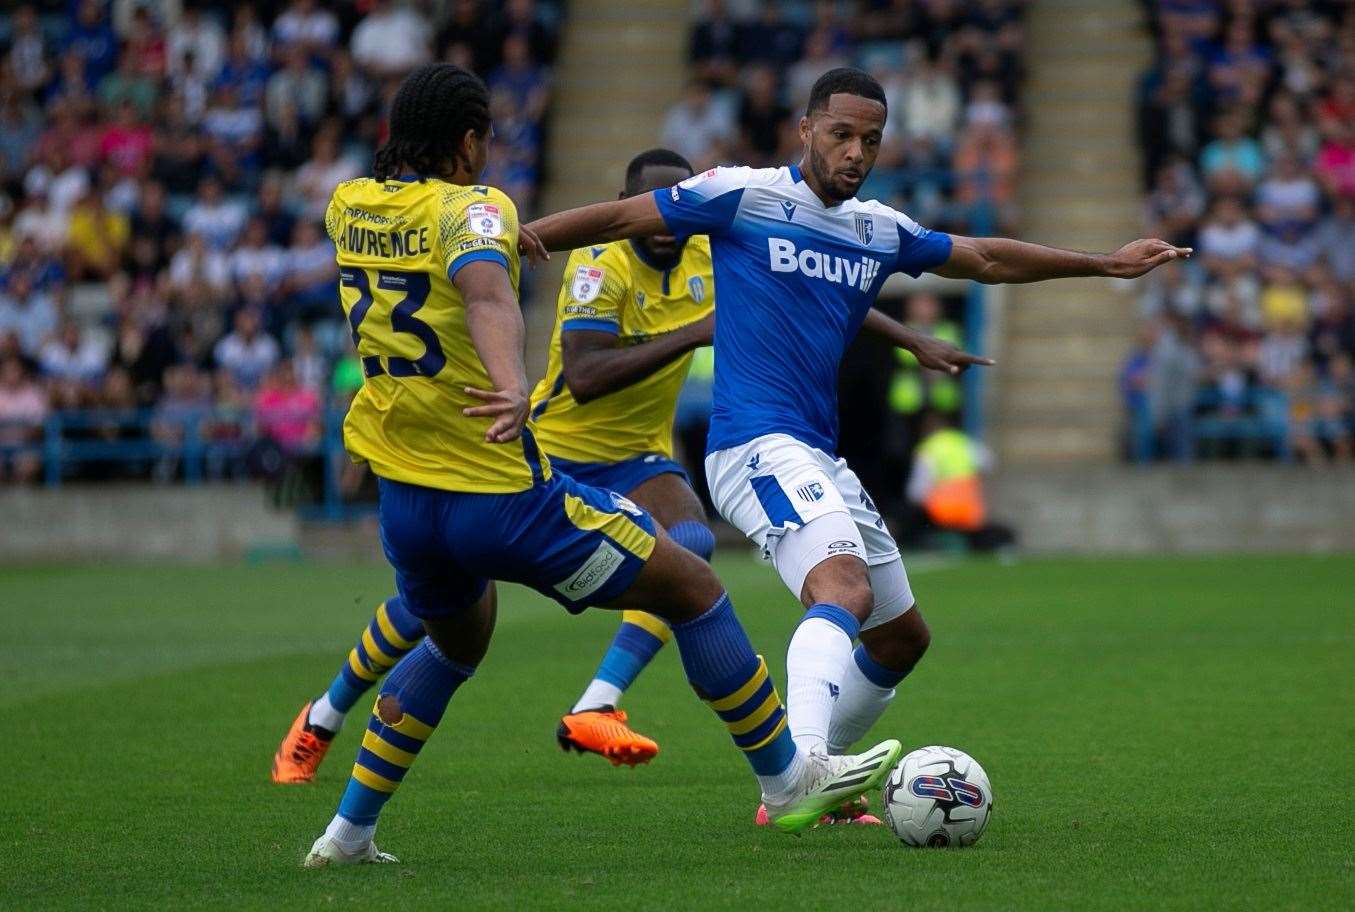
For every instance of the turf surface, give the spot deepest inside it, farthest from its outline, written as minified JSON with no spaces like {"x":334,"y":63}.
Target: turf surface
{"x":1160,"y":734}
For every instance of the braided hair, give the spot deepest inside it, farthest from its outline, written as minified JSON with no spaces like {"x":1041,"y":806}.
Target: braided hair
{"x":434,"y":108}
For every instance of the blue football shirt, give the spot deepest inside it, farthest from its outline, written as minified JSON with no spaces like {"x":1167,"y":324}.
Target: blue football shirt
{"x":794,"y":279}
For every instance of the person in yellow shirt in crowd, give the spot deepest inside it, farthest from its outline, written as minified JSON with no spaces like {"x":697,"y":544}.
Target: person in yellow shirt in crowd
{"x":96,"y":239}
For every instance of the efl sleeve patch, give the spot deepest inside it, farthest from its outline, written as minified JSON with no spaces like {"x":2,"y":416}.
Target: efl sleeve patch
{"x":485,"y":219}
{"x":587,"y":283}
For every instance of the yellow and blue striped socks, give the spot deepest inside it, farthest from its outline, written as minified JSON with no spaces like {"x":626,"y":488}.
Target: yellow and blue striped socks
{"x":391,"y":633}
{"x":637,"y":641}
{"x":722,"y":667}
{"x":411,"y":704}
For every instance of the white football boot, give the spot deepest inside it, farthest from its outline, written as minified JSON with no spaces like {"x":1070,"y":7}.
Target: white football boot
{"x":828,"y":782}
{"x":327,"y":851}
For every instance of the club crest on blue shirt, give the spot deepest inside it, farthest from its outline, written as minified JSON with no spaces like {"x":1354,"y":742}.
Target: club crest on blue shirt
{"x":697,"y":286}
{"x":865,"y":228}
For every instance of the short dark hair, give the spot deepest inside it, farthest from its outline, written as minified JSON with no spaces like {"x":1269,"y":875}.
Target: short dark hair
{"x":844,"y":81}
{"x":663,"y":157}
{"x":433,"y":109}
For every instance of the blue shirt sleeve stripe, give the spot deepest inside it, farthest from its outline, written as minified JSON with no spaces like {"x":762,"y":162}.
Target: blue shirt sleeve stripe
{"x":593,"y":324}
{"x":493,"y":256}
{"x":920,"y":252}
{"x":687,"y":212}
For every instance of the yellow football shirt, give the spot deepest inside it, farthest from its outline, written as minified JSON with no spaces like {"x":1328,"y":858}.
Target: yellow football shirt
{"x":611,"y":288}
{"x":399,"y":243}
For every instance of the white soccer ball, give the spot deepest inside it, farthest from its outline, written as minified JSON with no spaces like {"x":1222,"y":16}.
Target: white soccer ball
{"x":938,"y":796}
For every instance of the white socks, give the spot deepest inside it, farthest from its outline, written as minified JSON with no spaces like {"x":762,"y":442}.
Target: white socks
{"x":860,"y":704}
{"x":779,"y":787}
{"x":598,"y":693}
{"x":351,"y":837}
{"x":816,"y":661}
{"x":324,"y":714}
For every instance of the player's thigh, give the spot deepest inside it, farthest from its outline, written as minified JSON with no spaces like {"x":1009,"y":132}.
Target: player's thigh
{"x":673,"y":584}
{"x":769,"y":486}
{"x":428,"y":576}
{"x":875,"y":535}
{"x":824,"y":561}
{"x":669,"y":498}
{"x":577,"y":544}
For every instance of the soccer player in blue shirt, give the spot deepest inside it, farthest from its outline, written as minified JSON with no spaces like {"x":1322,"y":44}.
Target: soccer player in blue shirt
{"x":798,"y":261}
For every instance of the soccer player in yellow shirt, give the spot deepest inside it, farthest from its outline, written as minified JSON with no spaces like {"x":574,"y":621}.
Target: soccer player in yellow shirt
{"x":629,"y":316}
{"x":428,"y":272}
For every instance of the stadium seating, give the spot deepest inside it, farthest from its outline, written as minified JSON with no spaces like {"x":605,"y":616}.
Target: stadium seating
{"x":1247,"y":122}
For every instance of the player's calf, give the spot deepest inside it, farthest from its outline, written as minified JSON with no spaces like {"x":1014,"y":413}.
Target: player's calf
{"x":412,"y":701}
{"x":392,"y":632}
{"x":891,"y":646}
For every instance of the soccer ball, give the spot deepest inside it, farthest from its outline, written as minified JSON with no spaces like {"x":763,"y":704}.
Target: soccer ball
{"x":938,"y":796}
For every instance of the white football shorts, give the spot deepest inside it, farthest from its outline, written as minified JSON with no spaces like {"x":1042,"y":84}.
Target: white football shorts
{"x":802,"y":506}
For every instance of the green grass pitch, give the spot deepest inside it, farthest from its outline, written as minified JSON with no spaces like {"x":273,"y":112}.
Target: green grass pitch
{"x":1160,"y":734}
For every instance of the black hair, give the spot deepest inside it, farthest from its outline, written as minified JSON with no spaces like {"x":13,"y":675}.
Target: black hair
{"x":844,"y":81}
{"x":662,"y":157}
{"x":434,"y":107}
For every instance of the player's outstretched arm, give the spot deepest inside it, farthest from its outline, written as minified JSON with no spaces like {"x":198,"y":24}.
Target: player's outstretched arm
{"x":496,"y":330}
{"x":634,"y":216}
{"x":998,"y":260}
{"x":595,"y":365}
{"x":931,"y":352}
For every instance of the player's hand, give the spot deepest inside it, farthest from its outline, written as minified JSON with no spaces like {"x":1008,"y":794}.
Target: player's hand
{"x":530,"y":246}
{"x":508,"y":408}
{"x":939,"y":355}
{"x":1141,"y":256}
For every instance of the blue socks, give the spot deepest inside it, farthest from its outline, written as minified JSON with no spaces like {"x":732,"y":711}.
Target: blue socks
{"x":724,"y":671}
{"x":410,"y":706}
{"x":874,"y":672}
{"x":696,"y":537}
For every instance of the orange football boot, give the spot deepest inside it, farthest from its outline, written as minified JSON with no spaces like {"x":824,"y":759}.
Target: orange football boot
{"x":604,"y":731}
{"x":298,"y":757}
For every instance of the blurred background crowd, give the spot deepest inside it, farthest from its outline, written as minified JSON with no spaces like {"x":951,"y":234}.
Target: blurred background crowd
{"x":165,"y":283}
{"x":167,"y":295}
{"x":1247,"y":122}
{"x":952,"y":75}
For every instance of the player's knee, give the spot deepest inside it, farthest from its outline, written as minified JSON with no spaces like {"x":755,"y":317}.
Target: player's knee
{"x":841,"y":581}
{"x":682,"y":586}
{"x":898,"y":644}
{"x":696,"y":537}
{"x":920,"y":640}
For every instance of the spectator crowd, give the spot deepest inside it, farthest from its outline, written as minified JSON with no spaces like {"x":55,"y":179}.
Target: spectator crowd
{"x":1247,"y":122}
{"x":164,"y":168}
{"x":951,"y":72}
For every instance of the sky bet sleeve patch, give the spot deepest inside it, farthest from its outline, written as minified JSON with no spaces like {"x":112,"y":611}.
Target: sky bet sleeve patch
{"x":485,"y":219}
{"x":587,"y":283}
